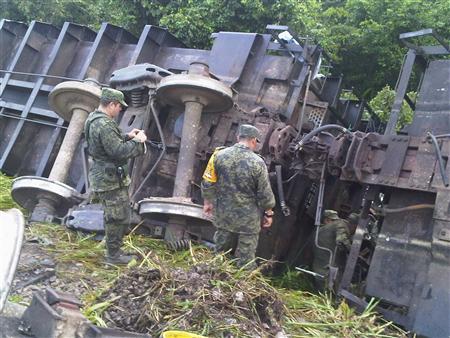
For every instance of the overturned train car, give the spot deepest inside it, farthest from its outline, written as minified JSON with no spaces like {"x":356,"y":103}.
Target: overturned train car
{"x":191,"y":101}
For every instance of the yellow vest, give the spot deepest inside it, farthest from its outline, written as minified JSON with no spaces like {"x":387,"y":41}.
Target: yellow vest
{"x":210,"y":172}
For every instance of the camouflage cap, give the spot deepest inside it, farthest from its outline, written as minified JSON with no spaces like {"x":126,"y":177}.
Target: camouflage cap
{"x":113,"y":95}
{"x":247,"y":130}
{"x":330,"y":214}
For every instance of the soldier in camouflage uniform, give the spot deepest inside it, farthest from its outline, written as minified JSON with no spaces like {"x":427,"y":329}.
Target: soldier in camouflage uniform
{"x":334,"y":235}
{"x":108,"y":174}
{"x":239,"y":195}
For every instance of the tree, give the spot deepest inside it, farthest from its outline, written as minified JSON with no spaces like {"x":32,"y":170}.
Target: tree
{"x":92,"y":13}
{"x":382,"y":104}
{"x":360,"y":35}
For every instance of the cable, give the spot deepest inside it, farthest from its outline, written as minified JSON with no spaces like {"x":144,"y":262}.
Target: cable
{"x":313,"y":133}
{"x":292,"y":177}
{"x":33,"y":121}
{"x":151,"y":107}
{"x":48,"y":76}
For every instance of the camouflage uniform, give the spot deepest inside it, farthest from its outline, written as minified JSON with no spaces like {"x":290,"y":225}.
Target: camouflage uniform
{"x":240,"y":195}
{"x":331,"y":235}
{"x":108,"y":174}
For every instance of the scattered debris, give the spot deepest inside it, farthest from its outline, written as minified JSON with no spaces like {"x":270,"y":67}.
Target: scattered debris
{"x":213,"y":299}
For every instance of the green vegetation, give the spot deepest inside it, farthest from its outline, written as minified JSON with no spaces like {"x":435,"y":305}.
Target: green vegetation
{"x":302,"y":313}
{"x":318,"y":316}
{"x":18,"y":299}
{"x":6,"y":202}
{"x":360,"y":35}
{"x":383,"y":101}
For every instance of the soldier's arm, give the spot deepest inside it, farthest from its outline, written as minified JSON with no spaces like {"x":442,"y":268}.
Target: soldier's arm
{"x":264,"y":193}
{"x":115,"y":145}
{"x":342,"y":235}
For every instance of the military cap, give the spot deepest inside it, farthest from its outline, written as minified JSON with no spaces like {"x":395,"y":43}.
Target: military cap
{"x":113,"y":95}
{"x":330,"y":214}
{"x":247,"y":130}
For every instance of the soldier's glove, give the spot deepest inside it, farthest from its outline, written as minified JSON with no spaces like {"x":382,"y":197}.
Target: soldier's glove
{"x":140,"y":137}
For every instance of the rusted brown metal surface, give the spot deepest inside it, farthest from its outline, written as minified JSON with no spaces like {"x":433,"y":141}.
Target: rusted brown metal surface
{"x":404,"y":175}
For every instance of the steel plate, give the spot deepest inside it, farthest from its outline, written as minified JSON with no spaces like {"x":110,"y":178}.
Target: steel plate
{"x":171,"y":206}
{"x":12,"y":226}
{"x":27,"y":189}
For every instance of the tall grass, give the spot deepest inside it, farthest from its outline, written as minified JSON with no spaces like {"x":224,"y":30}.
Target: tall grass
{"x":306,"y":314}
{"x":6,"y":201}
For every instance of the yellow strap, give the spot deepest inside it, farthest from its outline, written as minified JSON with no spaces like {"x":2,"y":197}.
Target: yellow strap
{"x":210,"y":172}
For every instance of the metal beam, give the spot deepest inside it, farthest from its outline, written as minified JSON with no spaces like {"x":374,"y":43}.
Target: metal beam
{"x":402,"y":87}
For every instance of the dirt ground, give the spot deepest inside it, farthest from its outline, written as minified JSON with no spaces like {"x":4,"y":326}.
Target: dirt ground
{"x":37,"y":269}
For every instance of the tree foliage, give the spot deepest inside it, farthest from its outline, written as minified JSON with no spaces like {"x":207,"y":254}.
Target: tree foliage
{"x":360,"y":35}
{"x":382,"y":104}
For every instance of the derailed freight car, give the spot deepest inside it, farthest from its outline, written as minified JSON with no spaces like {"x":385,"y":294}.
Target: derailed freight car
{"x":270,"y":80}
{"x":245,"y":77}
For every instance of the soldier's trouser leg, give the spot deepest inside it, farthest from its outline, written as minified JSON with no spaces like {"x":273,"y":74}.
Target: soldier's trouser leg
{"x":117,"y":211}
{"x":246,"y":249}
{"x":225,"y":240}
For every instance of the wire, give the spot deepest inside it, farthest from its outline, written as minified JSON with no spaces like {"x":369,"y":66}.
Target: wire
{"x":34,"y":121}
{"x":48,"y":76}
{"x":151,"y":107}
{"x":292,"y":177}
{"x":313,"y":133}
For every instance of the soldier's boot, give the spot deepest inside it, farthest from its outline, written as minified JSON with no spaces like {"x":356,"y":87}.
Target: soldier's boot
{"x":119,"y":258}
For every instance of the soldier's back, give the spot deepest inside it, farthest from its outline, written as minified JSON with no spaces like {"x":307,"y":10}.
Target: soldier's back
{"x":237,"y":169}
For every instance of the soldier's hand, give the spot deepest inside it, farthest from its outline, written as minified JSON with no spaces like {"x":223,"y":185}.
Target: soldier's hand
{"x":207,"y":208}
{"x":140,"y":136}
{"x":267,"y":222}
{"x":133,"y":133}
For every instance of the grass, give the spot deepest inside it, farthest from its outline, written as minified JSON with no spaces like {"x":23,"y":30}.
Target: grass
{"x":18,"y":299}
{"x":6,"y":201}
{"x":304,"y":314}
{"x":317,"y":315}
